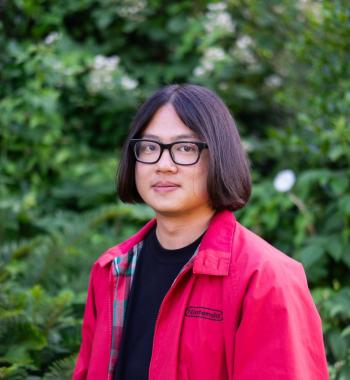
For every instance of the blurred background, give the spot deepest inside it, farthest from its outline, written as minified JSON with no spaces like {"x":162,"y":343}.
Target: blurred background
{"x":73,"y":73}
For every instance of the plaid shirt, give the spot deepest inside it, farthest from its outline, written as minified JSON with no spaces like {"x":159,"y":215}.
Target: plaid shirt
{"x":123,"y":268}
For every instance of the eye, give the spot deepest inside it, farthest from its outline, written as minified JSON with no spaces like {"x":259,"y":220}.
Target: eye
{"x":148,"y":147}
{"x":186,"y":148}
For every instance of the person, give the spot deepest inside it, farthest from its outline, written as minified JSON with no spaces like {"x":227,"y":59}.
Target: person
{"x":194,"y":295}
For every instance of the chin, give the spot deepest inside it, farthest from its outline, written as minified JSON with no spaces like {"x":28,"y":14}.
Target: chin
{"x":172,"y":208}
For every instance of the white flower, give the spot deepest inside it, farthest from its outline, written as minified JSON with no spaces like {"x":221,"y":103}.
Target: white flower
{"x":101,"y":75}
{"x":215,"y":54}
{"x":224,"y":19}
{"x":106,"y":63}
{"x":207,"y":65}
{"x":315,"y":8}
{"x":273,"y":81}
{"x":51,"y":38}
{"x":243,"y":53}
{"x":131,"y":9}
{"x":99,"y":62}
{"x":242,"y":50}
{"x":284,"y":180}
{"x":199,"y":71}
{"x":247,"y":145}
{"x":128,"y":83}
{"x":217,"y":7}
{"x":209,"y":59}
{"x":244,"y":41}
{"x":219,"y":21}
{"x":246,"y":56}
{"x":99,"y":81}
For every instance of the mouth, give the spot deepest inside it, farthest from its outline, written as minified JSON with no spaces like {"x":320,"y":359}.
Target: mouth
{"x":164,"y":187}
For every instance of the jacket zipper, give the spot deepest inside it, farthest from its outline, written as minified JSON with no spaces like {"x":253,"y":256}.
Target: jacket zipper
{"x":177,"y":279}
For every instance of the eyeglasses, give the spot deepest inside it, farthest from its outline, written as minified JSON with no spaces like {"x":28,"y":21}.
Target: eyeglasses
{"x":181,"y":152}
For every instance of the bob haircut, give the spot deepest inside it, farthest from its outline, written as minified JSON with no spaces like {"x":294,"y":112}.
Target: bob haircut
{"x":201,"y":110}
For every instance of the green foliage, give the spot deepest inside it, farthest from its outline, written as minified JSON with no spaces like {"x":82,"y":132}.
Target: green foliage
{"x":72,"y":75}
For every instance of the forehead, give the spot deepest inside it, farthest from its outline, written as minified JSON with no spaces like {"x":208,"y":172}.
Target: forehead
{"x":166,"y":125}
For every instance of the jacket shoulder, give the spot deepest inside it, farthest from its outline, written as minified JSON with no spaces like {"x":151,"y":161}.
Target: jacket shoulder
{"x":254,"y":257}
{"x":277,"y":313}
{"x":266,"y":276}
{"x":250,"y":247}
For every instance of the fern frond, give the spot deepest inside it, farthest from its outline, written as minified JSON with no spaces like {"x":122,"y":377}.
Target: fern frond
{"x":61,"y":369}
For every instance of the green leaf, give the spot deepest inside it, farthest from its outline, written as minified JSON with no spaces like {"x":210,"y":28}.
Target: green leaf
{"x":336,"y":152}
{"x":17,"y":355}
{"x":335,"y":247}
{"x":344,"y":373}
{"x":311,"y":254}
{"x":337,"y":345}
{"x":344,"y":204}
{"x":339,"y":185}
{"x":346,"y":255}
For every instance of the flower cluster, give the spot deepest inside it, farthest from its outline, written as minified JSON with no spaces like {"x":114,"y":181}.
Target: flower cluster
{"x":243,"y":50}
{"x":106,"y":74}
{"x":313,"y":7}
{"x":128,"y":83}
{"x":51,"y":38}
{"x":273,"y":81}
{"x":101,"y":75}
{"x":218,"y":19}
{"x":211,"y":56}
{"x":132,"y":9}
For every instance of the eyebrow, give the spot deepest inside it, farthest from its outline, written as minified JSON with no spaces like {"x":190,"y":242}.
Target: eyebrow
{"x":174,"y":138}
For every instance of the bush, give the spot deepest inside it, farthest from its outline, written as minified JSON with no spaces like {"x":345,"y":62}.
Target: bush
{"x":74,"y":73}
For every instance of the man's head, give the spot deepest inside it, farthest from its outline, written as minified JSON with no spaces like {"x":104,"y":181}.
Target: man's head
{"x":203,"y":113}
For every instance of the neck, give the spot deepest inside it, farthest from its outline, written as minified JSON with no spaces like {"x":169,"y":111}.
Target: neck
{"x":175,"y":232}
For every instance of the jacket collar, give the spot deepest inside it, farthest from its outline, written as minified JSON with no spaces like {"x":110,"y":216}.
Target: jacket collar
{"x":214,"y":254}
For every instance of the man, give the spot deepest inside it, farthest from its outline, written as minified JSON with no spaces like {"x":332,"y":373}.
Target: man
{"x":195,"y":295}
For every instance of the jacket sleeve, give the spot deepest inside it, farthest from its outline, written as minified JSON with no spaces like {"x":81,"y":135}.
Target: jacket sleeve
{"x":280,"y":331}
{"x":88,"y":329}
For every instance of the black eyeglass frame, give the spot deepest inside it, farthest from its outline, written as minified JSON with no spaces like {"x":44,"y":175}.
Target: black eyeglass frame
{"x":201,"y":145}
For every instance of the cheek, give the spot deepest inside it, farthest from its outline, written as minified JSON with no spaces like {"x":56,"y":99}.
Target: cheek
{"x":139,"y":178}
{"x":203,"y":187}
{"x":200,"y":180}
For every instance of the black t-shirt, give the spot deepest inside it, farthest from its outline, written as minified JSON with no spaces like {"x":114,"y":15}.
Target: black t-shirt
{"x":156,"y":269}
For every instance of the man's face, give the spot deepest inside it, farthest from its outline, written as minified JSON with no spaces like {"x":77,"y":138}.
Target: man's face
{"x":168,"y":188}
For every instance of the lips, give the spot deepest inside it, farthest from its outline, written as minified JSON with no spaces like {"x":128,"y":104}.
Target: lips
{"x":165,"y":186}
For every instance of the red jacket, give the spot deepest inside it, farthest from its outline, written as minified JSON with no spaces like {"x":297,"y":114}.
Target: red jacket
{"x":240,"y":310}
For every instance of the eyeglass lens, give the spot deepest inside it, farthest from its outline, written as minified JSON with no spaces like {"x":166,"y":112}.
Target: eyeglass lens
{"x":182,"y":153}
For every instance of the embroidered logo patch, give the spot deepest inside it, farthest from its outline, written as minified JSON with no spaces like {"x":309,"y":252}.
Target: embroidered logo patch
{"x":204,"y":312}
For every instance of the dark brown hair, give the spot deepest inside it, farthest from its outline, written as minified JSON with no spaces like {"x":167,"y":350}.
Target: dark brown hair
{"x":229,"y":181}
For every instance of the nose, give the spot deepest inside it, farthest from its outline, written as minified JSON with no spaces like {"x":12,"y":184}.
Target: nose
{"x":166,"y":163}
